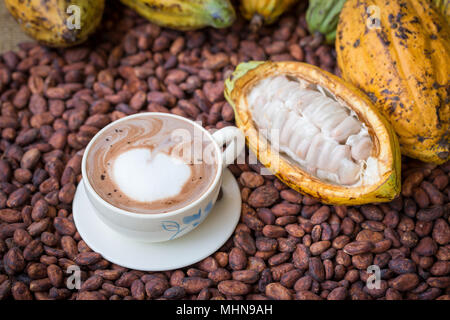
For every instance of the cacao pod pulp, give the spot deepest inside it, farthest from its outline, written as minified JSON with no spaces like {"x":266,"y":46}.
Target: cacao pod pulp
{"x":57,"y":23}
{"x":402,"y":61}
{"x":315,"y":132}
{"x":185,"y":14}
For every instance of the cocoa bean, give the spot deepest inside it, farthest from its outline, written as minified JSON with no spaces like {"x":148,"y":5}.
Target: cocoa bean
{"x":358,"y":247}
{"x":431,"y":213}
{"x":20,"y":291}
{"x":55,"y":274}
{"x":237,"y":259}
{"x":263,"y":196}
{"x":36,"y":228}
{"x":285,"y":209}
{"x":36,"y":271}
{"x":69,"y":246}
{"x":402,"y":265}
{"x":155,"y":287}
{"x":266,"y":215}
{"x":289,"y":279}
{"x":33,"y":250}
{"x":339,"y":293}
{"x":316,"y":269}
{"x":277,"y":291}
{"x":279,"y":258}
{"x":10,"y":215}
{"x":233,"y":288}
{"x":87,"y":258}
{"x":436,"y":197}
{"x":22,"y":238}
{"x":252,"y":222}
{"x":411,"y":181}
{"x":18,"y":197}
{"x":92,"y":283}
{"x":220,"y":274}
{"x":404,"y":282}
{"x":245,"y":241}
{"x":306,"y":295}
{"x":90,"y":295}
{"x":246,"y":276}
{"x":426,"y":247}
{"x":14,"y":260}
{"x":272,"y":231}
{"x":67,"y":193}
{"x":318,"y":247}
{"x":266,"y":244}
{"x":64,"y":226}
{"x":301,"y":256}
{"x":251,"y":179}
{"x":321,"y":215}
{"x":40,"y":285}
{"x":5,"y":289}
{"x":440,"y":268}
{"x":193,"y":285}
{"x":295,"y":230}
{"x":441,"y":232}
{"x":109,"y":274}
{"x":439,"y":282}
{"x":138,"y":290}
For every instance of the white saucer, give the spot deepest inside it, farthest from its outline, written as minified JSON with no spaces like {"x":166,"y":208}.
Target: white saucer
{"x":186,"y":250}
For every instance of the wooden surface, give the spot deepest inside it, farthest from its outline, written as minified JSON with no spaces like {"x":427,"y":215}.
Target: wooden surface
{"x":10,"y":32}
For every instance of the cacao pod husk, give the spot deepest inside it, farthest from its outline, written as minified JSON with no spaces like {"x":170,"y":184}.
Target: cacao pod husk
{"x":185,"y":15}
{"x":261,"y":12}
{"x":323,"y":16}
{"x":402,"y":61}
{"x":55,"y":22}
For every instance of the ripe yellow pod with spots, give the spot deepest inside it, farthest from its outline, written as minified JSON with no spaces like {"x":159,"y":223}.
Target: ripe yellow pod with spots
{"x":57,"y":23}
{"x":398,"y":53}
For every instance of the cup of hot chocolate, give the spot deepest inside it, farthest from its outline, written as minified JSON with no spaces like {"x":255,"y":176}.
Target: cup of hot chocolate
{"x":154,"y":176}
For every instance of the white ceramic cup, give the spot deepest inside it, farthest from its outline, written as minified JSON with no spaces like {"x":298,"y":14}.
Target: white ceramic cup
{"x":173,"y":224}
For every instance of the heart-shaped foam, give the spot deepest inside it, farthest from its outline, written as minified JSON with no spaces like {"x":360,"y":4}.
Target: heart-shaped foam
{"x":147,"y":178}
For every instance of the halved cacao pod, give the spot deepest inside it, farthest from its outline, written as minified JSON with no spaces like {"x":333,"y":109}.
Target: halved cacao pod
{"x":402,"y":61}
{"x":309,"y":106}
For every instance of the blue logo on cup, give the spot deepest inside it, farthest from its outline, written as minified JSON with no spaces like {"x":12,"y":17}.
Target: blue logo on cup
{"x":175,"y":228}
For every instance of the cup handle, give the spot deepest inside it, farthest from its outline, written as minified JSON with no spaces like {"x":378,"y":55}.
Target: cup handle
{"x":234,"y":140}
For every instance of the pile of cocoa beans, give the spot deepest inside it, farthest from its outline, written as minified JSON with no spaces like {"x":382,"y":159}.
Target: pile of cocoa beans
{"x":286,"y":246}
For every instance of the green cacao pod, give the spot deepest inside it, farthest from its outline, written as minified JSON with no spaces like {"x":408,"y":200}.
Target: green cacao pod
{"x":323,"y":16}
{"x":444,"y":8}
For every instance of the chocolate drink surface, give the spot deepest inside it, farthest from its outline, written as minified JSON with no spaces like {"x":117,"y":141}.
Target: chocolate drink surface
{"x":151,"y":164}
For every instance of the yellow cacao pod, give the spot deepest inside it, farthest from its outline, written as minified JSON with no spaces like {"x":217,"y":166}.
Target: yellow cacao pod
{"x":57,"y":23}
{"x":185,"y":14}
{"x":300,"y":122}
{"x":399,"y":54}
{"x":261,"y":12}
